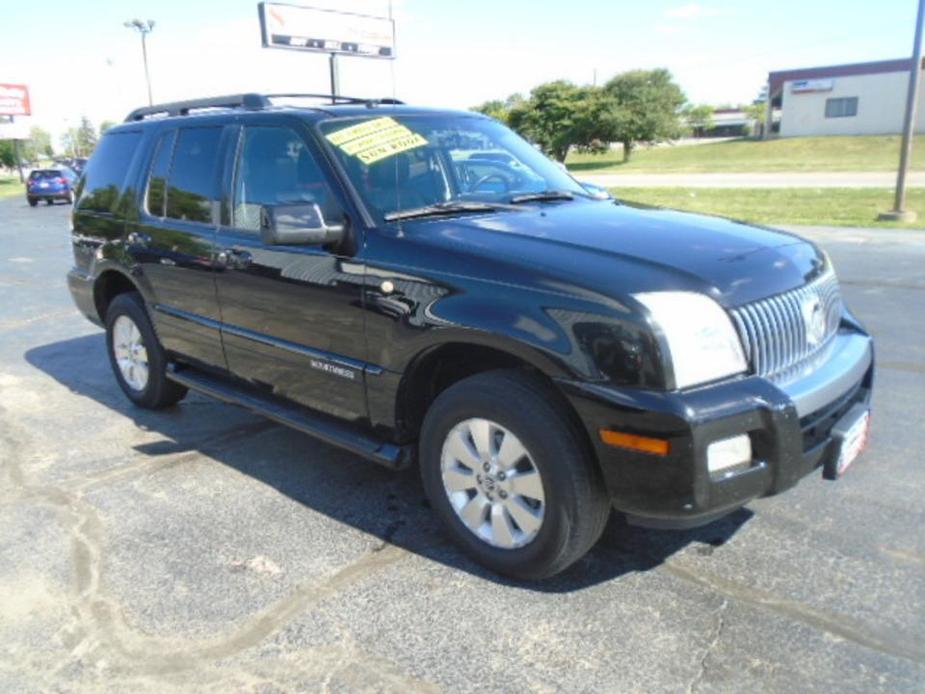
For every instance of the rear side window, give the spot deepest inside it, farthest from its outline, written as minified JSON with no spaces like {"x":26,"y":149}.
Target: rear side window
{"x":192,"y":186}
{"x":156,"y":191}
{"x":106,"y":171}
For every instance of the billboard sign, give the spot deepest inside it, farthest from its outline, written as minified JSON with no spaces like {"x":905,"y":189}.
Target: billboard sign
{"x":804,"y":86}
{"x":11,"y":129}
{"x":326,"y":31}
{"x":14,"y":100}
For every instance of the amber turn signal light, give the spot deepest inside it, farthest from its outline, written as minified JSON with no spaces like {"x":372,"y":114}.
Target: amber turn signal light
{"x":634,"y":442}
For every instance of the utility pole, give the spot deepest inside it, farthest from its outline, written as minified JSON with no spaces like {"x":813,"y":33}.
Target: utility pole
{"x":899,"y":213}
{"x":143,"y":28}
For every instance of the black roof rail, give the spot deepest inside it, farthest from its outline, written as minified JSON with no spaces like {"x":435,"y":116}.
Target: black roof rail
{"x":182,"y":108}
{"x":338,"y":99}
{"x":249,"y":101}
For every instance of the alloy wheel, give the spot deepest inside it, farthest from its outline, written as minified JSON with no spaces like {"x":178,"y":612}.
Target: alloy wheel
{"x":131,"y":355}
{"x":492,"y":483}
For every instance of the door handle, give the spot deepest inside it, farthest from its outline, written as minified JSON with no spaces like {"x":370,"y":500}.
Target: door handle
{"x":137,"y":238}
{"x":233,"y":258}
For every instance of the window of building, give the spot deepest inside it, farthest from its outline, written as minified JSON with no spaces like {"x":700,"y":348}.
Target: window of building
{"x":157,"y":181}
{"x":276,"y":168}
{"x":192,"y":186}
{"x":844,"y":107}
{"x":106,"y":171}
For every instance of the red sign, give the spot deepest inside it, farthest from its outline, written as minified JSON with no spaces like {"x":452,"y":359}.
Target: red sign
{"x":14,"y":100}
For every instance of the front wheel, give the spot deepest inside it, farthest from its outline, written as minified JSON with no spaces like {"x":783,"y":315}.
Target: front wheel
{"x":511,"y":476}
{"x":138,"y":360}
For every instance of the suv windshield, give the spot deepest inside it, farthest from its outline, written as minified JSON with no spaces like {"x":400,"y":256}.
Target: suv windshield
{"x":442,"y":164}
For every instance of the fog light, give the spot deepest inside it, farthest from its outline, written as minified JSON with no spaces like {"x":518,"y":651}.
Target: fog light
{"x":729,"y":455}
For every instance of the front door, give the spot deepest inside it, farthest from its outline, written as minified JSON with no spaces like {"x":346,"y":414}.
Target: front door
{"x":292,"y":317}
{"x":173,"y":242}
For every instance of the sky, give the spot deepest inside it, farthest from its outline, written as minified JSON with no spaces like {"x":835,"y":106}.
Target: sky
{"x":78,"y":59}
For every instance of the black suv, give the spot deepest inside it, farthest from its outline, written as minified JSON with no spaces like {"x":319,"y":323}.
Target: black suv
{"x":423,"y":286}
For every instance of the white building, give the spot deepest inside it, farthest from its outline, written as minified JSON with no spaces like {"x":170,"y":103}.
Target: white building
{"x":859,"y":99}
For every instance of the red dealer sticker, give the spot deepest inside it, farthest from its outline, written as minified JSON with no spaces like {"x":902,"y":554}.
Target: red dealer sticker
{"x":14,"y":100}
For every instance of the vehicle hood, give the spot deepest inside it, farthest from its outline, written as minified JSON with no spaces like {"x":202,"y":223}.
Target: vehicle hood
{"x":621,"y":250}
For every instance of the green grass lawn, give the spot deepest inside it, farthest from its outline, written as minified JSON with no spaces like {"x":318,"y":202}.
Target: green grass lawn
{"x":10,"y":186}
{"x":834,"y":206}
{"x":862,"y":153}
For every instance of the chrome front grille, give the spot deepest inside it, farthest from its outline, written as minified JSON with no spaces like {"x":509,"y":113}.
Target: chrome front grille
{"x":777,"y":332}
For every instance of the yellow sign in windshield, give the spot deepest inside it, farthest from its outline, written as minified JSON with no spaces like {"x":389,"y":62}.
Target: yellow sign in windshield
{"x":375,"y":139}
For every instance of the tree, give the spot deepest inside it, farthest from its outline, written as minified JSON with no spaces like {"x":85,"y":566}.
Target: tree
{"x":756,"y":113}
{"x":38,"y":145}
{"x":494,"y":108}
{"x":106,"y":125}
{"x":500,"y":109}
{"x":69,"y":142}
{"x":7,"y":154}
{"x":644,"y":107}
{"x":85,"y":137}
{"x":699,"y":118}
{"x":558,"y":116}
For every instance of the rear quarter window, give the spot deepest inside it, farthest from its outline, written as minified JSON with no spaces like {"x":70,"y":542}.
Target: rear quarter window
{"x":106,"y":171}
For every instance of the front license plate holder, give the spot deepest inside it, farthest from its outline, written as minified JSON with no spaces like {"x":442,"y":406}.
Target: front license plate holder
{"x":850,"y":435}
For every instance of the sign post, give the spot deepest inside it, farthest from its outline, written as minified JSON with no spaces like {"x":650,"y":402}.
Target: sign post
{"x":335,"y":77}
{"x":326,"y":31}
{"x":18,"y":158}
{"x":899,"y":213}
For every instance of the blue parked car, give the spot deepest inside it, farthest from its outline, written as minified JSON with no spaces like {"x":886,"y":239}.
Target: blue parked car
{"x":50,"y":185}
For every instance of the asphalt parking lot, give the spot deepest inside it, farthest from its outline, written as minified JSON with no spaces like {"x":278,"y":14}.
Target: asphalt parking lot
{"x":205,"y":548}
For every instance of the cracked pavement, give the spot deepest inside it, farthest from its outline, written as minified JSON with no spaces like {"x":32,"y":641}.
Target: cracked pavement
{"x":207,"y":549}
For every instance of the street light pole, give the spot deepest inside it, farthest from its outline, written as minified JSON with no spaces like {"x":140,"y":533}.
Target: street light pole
{"x":899,"y":213}
{"x":144,"y":28}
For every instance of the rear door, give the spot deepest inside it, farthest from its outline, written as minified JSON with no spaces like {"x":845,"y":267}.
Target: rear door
{"x":173,"y":240}
{"x":292,"y":315}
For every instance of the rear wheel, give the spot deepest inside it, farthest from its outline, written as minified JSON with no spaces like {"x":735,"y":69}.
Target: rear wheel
{"x":511,"y":476}
{"x":32,"y":202}
{"x":138,"y":360}
{"x":49,"y":201}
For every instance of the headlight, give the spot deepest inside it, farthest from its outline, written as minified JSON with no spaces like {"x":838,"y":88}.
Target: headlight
{"x":703,"y":344}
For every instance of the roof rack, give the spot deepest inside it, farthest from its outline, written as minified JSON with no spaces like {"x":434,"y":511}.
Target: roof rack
{"x":250,"y":101}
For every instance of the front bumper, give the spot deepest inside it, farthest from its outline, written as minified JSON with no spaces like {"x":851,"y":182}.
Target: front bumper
{"x":790,"y":427}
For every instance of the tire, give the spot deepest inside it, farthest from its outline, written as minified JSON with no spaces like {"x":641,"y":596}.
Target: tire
{"x":575,"y":507}
{"x":49,"y":201}
{"x":154,"y":391}
{"x":32,"y":202}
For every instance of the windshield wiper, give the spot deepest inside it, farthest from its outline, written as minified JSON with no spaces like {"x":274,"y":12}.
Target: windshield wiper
{"x":542,"y":196}
{"x":441,"y":209}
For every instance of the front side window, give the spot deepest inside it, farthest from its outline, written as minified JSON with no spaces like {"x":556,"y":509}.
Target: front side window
{"x":275,"y":167}
{"x":406,"y":162}
{"x":192,"y":186}
{"x":106,"y":171}
{"x":845,"y":107}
